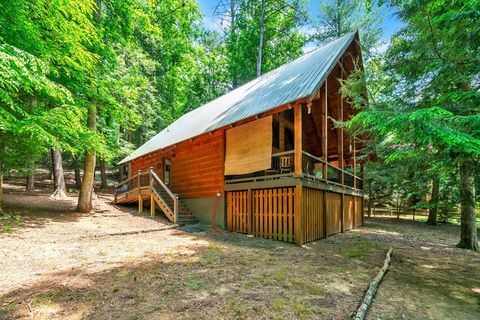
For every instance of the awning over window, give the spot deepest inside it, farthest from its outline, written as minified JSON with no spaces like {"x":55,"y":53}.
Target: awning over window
{"x":249,"y":147}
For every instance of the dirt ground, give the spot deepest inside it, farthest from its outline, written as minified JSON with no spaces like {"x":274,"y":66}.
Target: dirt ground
{"x":57,"y":264}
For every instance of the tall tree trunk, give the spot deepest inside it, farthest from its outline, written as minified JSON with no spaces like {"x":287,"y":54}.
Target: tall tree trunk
{"x":78,"y":178}
{"x":233,"y":14}
{"x":260,"y":44}
{"x":468,"y":225}
{"x":103,"y":174}
{"x":433,"y":208}
{"x":60,"y":191}
{"x":86,"y":190}
{"x":30,"y":184}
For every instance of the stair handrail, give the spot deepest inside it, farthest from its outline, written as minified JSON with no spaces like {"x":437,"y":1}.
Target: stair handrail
{"x":121,"y":183}
{"x":174,"y":196}
{"x":125,"y":181}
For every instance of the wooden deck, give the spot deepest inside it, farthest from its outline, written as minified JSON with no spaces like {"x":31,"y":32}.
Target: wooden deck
{"x":157,"y":193}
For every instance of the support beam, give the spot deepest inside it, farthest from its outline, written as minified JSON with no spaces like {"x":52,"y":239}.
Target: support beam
{"x":341,"y":162}
{"x":140,"y":204}
{"x":354,"y":165}
{"x":298,"y":138}
{"x":152,"y":205}
{"x":324,"y":99}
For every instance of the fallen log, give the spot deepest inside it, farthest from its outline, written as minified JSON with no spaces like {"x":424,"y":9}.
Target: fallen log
{"x":372,"y":290}
{"x":135,"y":231}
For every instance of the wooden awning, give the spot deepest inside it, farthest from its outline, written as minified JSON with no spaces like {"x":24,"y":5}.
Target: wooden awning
{"x":249,"y":147}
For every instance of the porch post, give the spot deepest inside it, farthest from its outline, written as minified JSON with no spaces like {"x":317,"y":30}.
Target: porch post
{"x":140,"y":198}
{"x":341,"y":163}
{"x":341,"y":146}
{"x":325,"y":131}
{"x":298,"y":138}
{"x":354,"y":165}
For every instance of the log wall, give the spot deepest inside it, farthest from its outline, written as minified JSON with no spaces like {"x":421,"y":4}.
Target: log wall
{"x":196,"y":167}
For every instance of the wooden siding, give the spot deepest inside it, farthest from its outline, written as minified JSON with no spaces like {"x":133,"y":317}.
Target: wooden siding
{"x":153,"y":160}
{"x":358,"y":211}
{"x":349,"y":213}
{"x":196,"y":168}
{"x":291,"y":214}
{"x":237,"y":211}
{"x":272,"y":213}
{"x":334,"y":213}
{"x":312,"y":214}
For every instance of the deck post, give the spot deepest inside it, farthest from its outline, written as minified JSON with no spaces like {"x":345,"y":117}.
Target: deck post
{"x":324,"y":102}
{"x":341,"y":162}
{"x":175,"y":209}
{"x":341,"y":146}
{"x":140,"y":204}
{"x":298,"y":138}
{"x":140,"y":199}
{"x":152,"y":205}
{"x":354,"y":169}
{"x":297,"y":216}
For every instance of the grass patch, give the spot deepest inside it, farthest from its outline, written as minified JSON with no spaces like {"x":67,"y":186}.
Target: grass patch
{"x":44,"y":298}
{"x":7,"y":229}
{"x":278,"y":304}
{"x":359,"y":249}
{"x":194,"y":283}
{"x":279,"y":276}
{"x":238,"y":308}
{"x":302,"y":309}
{"x":307,"y":287}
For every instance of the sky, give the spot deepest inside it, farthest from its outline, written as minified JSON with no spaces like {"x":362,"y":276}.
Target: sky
{"x":390,"y":25}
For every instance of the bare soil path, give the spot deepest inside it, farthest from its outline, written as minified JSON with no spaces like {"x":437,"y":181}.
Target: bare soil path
{"x":57,"y":264}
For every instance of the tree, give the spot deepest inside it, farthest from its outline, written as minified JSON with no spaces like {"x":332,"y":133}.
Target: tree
{"x":36,"y":107}
{"x":424,"y":97}
{"x":339,"y":17}
{"x":60,"y":189}
{"x":261,"y":36}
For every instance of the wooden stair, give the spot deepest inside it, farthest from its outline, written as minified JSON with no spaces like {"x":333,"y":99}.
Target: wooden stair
{"x":185,"y":216}
{"x":158,"y":194}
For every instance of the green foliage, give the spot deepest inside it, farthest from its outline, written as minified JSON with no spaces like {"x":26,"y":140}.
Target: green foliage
{"x":283,"y":39}
{"x":339,"y":17}
{"x":422,"y":106}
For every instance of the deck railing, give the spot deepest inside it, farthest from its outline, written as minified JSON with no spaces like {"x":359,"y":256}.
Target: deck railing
{"x":283,"y":166}
{"x":148,"y":179}
{"x":169,"y":198}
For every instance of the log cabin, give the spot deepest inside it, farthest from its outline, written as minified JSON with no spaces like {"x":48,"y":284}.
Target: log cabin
{"x":265,"y":159}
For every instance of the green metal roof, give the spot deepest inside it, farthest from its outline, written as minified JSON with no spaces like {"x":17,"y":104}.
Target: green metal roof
{"x":297,"y":79}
